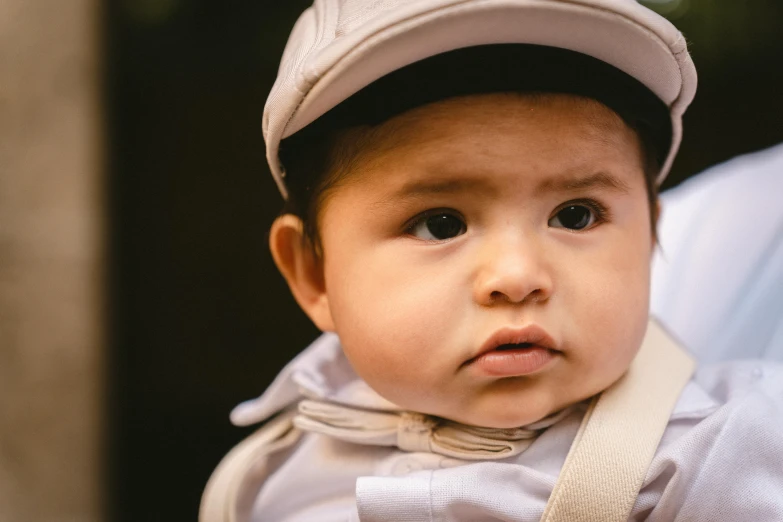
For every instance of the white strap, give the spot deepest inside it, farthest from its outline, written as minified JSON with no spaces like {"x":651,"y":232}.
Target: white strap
{"x":234,"y":483}
{"x":609,"y":458}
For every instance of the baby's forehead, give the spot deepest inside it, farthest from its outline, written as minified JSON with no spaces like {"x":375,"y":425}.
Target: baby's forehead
{"x":505,"y":137}
{"x":495,"y":113}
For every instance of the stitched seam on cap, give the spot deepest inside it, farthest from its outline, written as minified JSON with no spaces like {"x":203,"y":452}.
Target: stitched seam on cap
{"x":353,"y":50}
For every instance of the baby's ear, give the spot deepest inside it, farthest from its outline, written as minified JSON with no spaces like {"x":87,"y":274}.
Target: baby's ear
{"x":302,"y":269}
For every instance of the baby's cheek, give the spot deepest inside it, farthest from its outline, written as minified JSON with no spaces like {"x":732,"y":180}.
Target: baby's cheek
{"x":408,"y":307}
{"x":394,"y":369}
{"x":399,"y":329}
{"x":608,"y":310}
{"x":399,"y":343}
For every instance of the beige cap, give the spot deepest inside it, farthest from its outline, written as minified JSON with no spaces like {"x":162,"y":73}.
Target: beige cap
{"x":338,"y":47}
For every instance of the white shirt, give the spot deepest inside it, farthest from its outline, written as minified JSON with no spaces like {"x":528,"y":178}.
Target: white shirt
{"x":720,"y":459}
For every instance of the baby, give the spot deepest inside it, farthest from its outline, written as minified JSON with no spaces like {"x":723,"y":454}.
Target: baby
{"x":470,"y":214}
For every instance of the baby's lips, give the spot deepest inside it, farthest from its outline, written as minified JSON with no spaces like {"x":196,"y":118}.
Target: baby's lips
{"x":532,"y":335}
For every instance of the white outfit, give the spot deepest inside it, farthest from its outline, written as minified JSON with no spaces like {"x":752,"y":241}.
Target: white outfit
{"x":720,"y":459}
{"x":718,"y":276}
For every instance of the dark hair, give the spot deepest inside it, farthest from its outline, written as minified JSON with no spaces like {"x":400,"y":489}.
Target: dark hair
{"x":314,"y":157}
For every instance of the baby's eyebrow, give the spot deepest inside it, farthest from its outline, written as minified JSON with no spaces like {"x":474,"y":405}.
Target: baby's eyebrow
{"x":482,"y":186}
{"x":574,"y":183}
{"x":450,"y":186}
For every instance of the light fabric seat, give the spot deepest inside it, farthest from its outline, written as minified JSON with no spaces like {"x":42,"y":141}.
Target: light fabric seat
{"x":718,"y":274}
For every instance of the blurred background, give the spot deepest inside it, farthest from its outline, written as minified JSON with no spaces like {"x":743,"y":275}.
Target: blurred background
{"x":138,"y":300}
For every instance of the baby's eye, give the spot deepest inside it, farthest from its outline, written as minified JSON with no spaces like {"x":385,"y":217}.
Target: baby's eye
{"x":574,"y":217}
{"x":437,"y":226}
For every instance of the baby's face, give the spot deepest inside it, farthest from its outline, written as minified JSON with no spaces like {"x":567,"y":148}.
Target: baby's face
{"x":488,"y":261}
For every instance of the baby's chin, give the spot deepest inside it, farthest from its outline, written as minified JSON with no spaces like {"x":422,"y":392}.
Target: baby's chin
{"x":495,"y":418}
{"x":481,"y":419}
{"x":510,"y":404}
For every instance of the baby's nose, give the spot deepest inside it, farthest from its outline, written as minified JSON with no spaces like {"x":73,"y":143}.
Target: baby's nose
{"x":513,"y":271}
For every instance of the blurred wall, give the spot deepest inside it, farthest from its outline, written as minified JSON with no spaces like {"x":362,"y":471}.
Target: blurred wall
{"x":50,"y":262}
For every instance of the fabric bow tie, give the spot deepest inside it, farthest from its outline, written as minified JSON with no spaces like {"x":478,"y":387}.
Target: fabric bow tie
{"x":411,"y":431}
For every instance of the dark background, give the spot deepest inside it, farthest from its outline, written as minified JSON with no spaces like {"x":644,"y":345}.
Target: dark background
{"x":200,"y":318}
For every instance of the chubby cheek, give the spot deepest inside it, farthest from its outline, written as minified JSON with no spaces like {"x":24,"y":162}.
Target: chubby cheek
{"x":612,"y":313}
{"x":396,"y":324}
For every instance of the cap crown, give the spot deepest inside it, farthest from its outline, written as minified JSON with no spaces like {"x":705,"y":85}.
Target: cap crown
{"x":337,"y":47}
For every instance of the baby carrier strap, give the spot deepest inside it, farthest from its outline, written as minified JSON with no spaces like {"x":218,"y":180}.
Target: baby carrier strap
{"x":235,"y":482}
{"x":616,"y":442}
